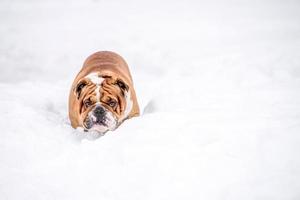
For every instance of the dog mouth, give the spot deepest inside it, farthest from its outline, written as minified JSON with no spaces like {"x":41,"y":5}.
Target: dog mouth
{"x":98,"y":125}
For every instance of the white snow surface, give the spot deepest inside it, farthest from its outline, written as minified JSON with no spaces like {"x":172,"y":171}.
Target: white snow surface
{"x":218,"y":84}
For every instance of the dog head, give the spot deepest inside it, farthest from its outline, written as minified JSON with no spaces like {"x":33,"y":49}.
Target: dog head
{"x":100,"y":102}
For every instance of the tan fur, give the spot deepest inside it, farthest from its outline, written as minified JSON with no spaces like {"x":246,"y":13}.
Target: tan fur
{"x":108,"y":64}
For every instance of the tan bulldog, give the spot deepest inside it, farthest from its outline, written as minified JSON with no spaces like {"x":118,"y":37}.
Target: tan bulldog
{"x":102,"y":95}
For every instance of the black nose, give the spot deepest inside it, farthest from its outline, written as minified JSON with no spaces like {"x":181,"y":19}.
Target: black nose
{"x":99,"y":111}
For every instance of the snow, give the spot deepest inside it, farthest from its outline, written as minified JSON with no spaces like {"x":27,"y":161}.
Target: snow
{"x":218,"y":85}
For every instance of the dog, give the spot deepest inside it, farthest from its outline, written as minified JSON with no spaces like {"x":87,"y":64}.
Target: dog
{"x":102,"y":95}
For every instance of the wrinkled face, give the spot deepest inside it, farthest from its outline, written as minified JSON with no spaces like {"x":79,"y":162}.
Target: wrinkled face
{"x":104,"y":102}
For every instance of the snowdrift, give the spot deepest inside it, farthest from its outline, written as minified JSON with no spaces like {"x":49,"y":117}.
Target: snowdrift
{"x":218,"y":84}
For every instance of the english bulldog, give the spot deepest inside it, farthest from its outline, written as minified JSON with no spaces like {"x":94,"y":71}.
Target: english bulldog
{"x":102,"y":95}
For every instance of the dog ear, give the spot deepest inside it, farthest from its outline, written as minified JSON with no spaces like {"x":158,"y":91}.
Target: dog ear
{"x":79,"y":88}
{"x":122,"y":85}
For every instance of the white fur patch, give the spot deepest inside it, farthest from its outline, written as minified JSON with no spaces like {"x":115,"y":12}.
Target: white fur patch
{"x":97,"y":90}
{"x":111,"y":122}
{"x":94,"y":77}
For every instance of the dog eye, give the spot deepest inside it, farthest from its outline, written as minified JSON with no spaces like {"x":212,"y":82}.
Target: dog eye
{"x":112,"y":103}
{"x":87,"y":103}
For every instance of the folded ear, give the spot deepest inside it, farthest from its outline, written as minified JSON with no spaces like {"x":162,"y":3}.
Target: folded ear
{"x":79,"y":88}
{"x":123,"y":86}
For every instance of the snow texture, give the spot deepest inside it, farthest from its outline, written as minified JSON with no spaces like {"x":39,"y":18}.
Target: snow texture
{"x":219,"y":89}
